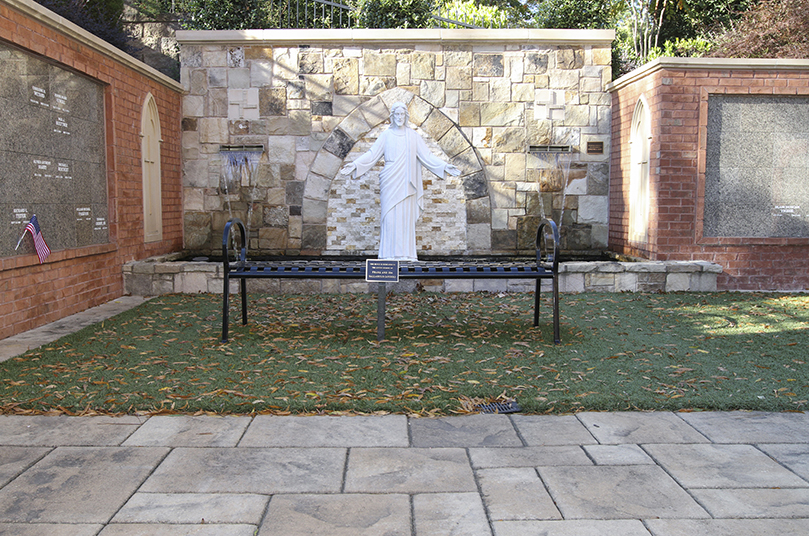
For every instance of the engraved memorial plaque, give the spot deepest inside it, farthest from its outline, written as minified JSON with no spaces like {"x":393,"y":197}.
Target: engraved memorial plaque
{"x":52,"y":154}
{"x":757,"y":161}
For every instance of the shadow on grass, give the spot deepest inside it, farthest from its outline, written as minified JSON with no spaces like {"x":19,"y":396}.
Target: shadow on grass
{"x":319,"y":354}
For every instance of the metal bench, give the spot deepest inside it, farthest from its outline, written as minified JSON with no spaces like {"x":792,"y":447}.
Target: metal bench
{"x":545,"y":267}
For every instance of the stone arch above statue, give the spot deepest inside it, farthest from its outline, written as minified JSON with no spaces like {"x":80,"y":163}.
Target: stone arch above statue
{"x":467,"y":195}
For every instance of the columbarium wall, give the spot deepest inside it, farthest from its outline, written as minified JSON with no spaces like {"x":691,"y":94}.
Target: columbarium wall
{"x":495,"y":103}
{"x":82,"y":178}
{"x":728,"y":154}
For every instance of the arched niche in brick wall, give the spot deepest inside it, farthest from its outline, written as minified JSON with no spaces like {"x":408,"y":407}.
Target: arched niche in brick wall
{"x":639,"y":187}
{"x":470,"y":199}
{"x":150,"y":142}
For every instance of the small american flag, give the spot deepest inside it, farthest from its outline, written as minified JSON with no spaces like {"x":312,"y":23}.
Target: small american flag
{"x":39,"y":243}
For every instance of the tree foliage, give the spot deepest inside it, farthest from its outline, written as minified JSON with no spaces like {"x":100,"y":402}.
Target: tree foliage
{"x":395,"y":13}
{"x":519,"y":13}
{"x":473,"y":13}
{"x":576,"y":14}
{"x":225,"y":14}
{"x":773,"y":29}
{"x":101,"y":18}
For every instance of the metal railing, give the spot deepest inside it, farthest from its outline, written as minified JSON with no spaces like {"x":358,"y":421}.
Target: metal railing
{"x":312,"y":14}
{"x":329,"y":14}
{"x":317,"y":14}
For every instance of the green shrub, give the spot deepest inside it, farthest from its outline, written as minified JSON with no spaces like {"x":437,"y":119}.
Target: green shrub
{"x":225,"y":14}
{"x":395,"y":13}
{"x":101,"y":18}
{"x":472,"y":12}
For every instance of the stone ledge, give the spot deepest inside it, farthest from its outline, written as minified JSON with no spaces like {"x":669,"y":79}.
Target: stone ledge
{"x":295,"y":37}
{"x":712,"y":64}
{"x":161,"y":275}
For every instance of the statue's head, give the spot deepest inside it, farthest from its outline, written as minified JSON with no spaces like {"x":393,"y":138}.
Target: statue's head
{"x":399,"y":107}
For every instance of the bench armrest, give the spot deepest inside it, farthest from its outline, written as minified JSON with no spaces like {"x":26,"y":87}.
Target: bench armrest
{"x":548,"y":253}
{"x":242,"y":253}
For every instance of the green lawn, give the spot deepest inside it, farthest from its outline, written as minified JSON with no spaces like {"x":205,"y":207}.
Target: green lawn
{"x":443,"y":354}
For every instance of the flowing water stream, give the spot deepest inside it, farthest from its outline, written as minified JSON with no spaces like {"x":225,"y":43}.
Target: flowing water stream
{"x":239,"y":177}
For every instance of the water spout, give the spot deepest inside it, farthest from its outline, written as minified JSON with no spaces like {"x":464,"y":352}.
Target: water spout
{"x":556,"y":159}
{"x":239,"y":166}
{"x":562,"y":162}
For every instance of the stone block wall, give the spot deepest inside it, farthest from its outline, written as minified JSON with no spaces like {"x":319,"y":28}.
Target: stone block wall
{"x":77,"y":278}
{"x":316,"y":99}
{"x":678,"y":91}
{"x":168,"y":274}
{"x":152,"y":37}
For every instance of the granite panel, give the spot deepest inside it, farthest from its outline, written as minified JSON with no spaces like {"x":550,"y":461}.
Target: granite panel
{"x":11,"y":229}
{"x":57,"y":170}
{"x":756,"y":161}
{"x":16,"y":172}
{"x":14,"y":69}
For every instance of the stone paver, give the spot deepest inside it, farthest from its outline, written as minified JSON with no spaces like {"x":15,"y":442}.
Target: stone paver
{"x":338,"y":515}
{"x":793,"y":456}
{"x":65,"y":431}
{"x":751,"y":427}
{"x":570,"y":528}
{"x":146,"y":529}
{"x":742,"y":503}
{"x":190,"y":431}
{"x":515,"y":493}
{"x":618,"y":492}
{"x":320,"y":431}
{"x":640,"y":427}
{"x":191,"y":508}
{"x":208,"y":470}
{"x":51,"y":529}
{"x":728,"y":527}
{"x":546,"y":430}
{"x":632,"y":474}
{"x":14,"y":460}
{"x":77,"y":485}
{"x":456,"y":514}
{"x":527,"y":457}
{"x":722,"y":466}
{"x":618,"y":455}
{"x":411,"y":470}
{"x":468,"y":431}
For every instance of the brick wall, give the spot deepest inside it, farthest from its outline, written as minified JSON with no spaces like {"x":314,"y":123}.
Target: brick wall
{"x":677,"y":92}
{"x":76,"y":279}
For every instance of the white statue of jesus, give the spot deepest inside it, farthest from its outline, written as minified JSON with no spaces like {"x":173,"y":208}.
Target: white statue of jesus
{"x":401,"y":189}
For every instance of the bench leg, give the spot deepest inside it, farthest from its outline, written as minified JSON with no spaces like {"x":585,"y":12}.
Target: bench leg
{"x":243,"y":289}
{"x":536,"y":302}
{"x":225,"y":308}
{"x":381,"y":295}
{"x":557,"y":338}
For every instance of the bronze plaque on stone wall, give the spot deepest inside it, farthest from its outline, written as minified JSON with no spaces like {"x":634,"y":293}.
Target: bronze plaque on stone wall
{"x":52,"y":154}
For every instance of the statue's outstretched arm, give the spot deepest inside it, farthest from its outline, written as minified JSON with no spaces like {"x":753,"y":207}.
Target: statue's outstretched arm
{"x":348,"y":169}
{"x":452,"y":170}
{"x":432,"y":162}
{"x":367,"y":160}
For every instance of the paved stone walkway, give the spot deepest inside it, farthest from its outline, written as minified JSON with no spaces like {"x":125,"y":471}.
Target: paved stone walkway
{"x":661,"y":474}
{"x":590,"y":474}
